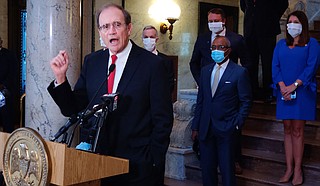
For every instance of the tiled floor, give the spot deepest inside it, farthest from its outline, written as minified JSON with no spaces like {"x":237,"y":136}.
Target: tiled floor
{"x":173,"y":182}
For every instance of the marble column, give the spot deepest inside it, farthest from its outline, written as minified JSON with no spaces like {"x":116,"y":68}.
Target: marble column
{"x":52,"y":25}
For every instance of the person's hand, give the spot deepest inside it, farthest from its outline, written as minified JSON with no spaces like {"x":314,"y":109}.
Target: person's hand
{"x":59,"y":66}
{"x":288,"y":90}
{"x":287,"y":97}
{"x":283,"y":89}
{"x":194,"y":135}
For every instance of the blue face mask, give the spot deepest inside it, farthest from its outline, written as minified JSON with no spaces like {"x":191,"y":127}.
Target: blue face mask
{"x":217,"y":56}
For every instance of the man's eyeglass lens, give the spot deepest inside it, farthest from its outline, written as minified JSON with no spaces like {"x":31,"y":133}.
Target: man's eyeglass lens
{"x":219,"y":47}
{"x":104,"y":28}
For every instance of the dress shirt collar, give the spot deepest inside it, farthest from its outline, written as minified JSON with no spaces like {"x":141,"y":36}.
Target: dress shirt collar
{"x":222,"y":33}
{"x":223,"y":66}
{"x":120,"y":64}
{"x":222,"y":69}
{"x":124,"y":52}
{"x":155,"y":51}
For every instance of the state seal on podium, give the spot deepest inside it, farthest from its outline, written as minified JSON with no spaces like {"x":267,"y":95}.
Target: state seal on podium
{"x":25,"y":159}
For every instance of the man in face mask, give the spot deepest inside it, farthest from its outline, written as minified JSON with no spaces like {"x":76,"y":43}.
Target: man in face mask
{"x":201,"y":57}
{"x":201,"y":52}
{"x":150,"y":39}
{"x":223,"y":104}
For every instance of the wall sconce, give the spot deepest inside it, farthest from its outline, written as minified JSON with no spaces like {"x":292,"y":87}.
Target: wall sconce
{"x":171,"y":14}
{"x":164,"y":27}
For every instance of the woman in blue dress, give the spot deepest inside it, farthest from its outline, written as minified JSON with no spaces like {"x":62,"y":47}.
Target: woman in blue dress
{"x":294,"y":66}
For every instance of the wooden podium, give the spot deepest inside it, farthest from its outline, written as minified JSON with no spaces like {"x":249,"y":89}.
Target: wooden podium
{"x":74,"y":167}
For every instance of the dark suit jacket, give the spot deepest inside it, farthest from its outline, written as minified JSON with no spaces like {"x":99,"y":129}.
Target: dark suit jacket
{"x":263,"y":18}
{"x":9,"y":79}
{"x":140,"y":128}
{"x":169,"y":67}
{"x":201,"y":55}
{"x":9,"y":70}
{"x":230,"y":105}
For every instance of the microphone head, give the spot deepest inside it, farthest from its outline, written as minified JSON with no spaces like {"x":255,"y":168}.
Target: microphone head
{"x":112,"y":67}
{"x":111,"y":101}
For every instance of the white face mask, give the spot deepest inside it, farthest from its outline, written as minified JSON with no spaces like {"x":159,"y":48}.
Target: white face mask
{"x":149,"y":43}
{"x":215,"y":27}
{"x":294,"y":29}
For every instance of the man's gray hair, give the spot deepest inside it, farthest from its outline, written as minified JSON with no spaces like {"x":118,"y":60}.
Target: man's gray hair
{"x":148,"y":27}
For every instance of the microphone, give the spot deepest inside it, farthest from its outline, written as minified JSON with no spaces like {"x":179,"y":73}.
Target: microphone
{"x":76,"y":117}
{"x":111,"y":69}
{"x":90,"y":114}
{"x":111,"y":100}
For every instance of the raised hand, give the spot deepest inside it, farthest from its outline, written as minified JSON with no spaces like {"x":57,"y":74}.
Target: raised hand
{"x":59,"y":66}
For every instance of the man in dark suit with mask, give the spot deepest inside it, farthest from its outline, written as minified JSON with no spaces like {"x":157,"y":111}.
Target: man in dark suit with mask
{"x":223,"y":103}
{"x":261,"y":27}
{"x":150,"y":38}
{"x":201,"y":52}
{"x":201,"y":57}
{"x":139,"y":129}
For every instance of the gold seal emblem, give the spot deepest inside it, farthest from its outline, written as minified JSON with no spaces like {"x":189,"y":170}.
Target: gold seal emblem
{"x":25,"y":160}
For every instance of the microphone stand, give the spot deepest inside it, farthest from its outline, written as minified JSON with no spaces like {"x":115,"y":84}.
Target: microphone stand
{"x":80,"y":117}
{"x":102,"y":115}
{"x":110,"y":102}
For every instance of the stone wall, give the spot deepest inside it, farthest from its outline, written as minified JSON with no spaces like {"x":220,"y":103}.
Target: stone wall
{"x":4,"y":23}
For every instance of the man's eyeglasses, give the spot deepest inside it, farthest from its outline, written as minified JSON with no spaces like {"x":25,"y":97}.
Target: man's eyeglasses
{"x":218,"y":47}
{"x":104,"y":28}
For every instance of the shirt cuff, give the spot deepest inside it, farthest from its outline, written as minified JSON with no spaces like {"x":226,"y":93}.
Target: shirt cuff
{"x":56,"y":83}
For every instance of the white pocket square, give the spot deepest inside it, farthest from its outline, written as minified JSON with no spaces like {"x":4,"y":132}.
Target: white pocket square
{"x":227,"y":82}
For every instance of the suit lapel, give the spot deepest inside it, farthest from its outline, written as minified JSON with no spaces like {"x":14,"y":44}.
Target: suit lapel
{"x":131,"y":67}
{"x":105,"y":61}
{"x":227,"y":73}
{"x":207,"y":80}
{"x":100,"y":66}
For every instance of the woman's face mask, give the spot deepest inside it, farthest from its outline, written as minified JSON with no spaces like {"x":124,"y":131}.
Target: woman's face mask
{"x":149,"y":43}
{"x":294,"y":29}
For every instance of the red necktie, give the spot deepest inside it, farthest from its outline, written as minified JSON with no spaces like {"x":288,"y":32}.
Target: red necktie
{"x":112,"y":74}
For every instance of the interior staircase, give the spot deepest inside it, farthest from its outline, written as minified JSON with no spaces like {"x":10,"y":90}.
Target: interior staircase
{"x":262,"y":145}
{"x":263,"y":151}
